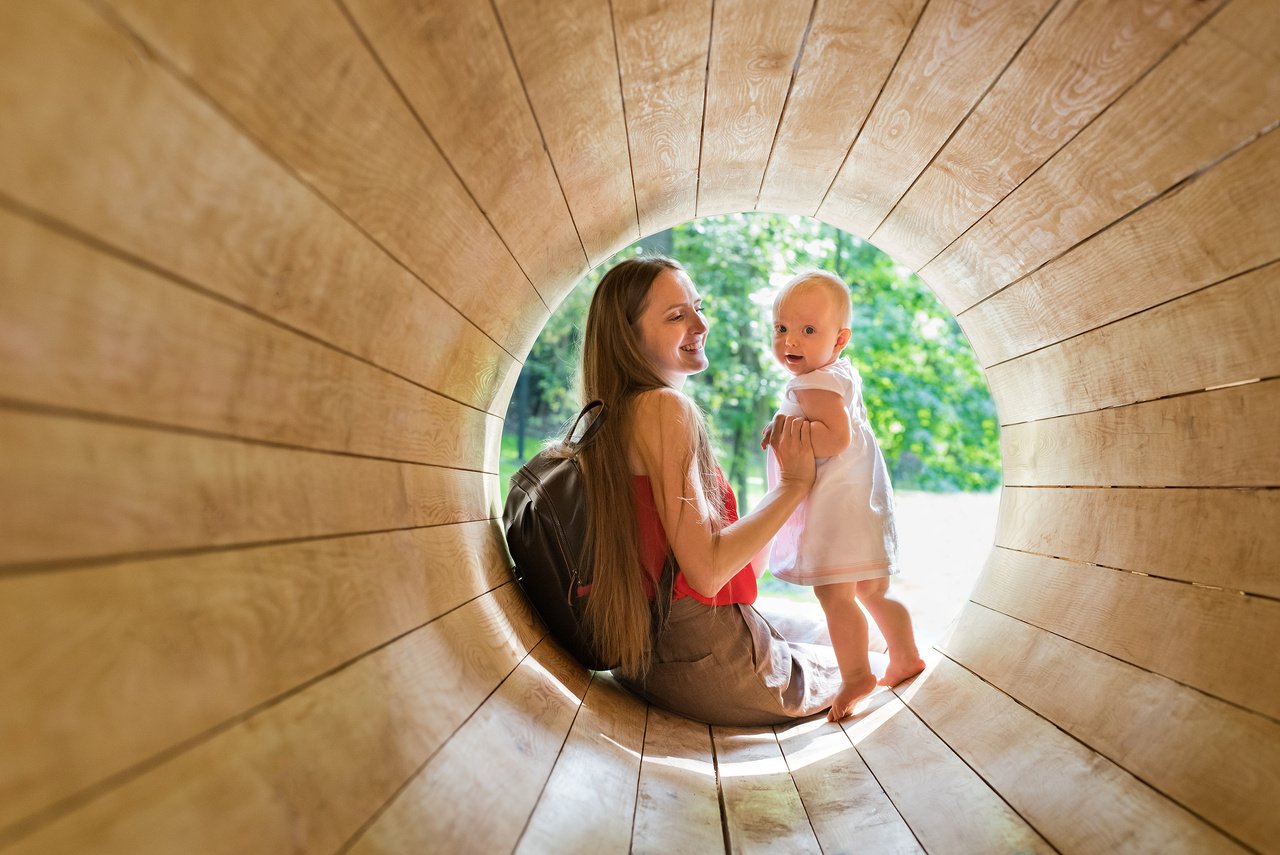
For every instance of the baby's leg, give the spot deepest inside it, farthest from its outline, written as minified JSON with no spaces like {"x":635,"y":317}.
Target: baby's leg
{"x":848,"y":630}
{"x":895,"y":624}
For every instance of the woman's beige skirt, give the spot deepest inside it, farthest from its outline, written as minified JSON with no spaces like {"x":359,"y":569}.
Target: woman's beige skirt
{"x":728,"y":665}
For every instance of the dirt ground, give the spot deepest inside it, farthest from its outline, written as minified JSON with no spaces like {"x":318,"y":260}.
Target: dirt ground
{"x":943,"y":538}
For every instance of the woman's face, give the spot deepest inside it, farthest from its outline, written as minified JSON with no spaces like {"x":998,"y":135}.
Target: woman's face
{"x":672,"y":329}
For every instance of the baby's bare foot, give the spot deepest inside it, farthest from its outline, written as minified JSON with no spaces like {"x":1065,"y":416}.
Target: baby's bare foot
{"x":850,"y":693}
{"x":901,"y":669}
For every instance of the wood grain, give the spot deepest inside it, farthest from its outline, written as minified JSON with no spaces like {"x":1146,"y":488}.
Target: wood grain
{"x":1157,"y":532}
{"x":477,"y":792}
{"x":754,"y":47}
{"x":78,"y":489}
{"x":845,"y":804}
{"x":1147,"y":724}
{"x":1213,"y":93}
{"x":762,"y":808}
{"x":589,"y":802}
{"x":237,"y":271}
{"x":300,"y":80}
{"x":145,"y":165}
{"x":948,"y":807}
{"x":851,"y":49}
{"x":83,"y":330}
{"x":1223,"y":223}
{"x":1226,"y":333}
{"x":1078,"y":800}
{"x":958,"y":48}
{"x":1215,"y":641}
{"x":1077,"y":63}
{"x":164,"y":650}
{"x":1221,"y":438}
{"x":677,"y":779}
{"x":305,"y":773}
{"x":662,"y":57}
{"x":567,"y":47}
{"x":453,"y":64}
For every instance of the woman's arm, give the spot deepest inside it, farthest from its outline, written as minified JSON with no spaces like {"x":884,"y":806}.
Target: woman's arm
{"x":825,"y":409}
{"x":663,"y":436}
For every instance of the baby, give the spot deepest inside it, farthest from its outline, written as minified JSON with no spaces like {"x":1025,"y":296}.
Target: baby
{"x":841,"y":540}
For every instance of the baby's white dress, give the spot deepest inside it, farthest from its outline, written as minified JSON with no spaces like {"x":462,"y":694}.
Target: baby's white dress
{"x":843,"y":531}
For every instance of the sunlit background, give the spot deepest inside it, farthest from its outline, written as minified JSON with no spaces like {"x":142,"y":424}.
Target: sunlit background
{"x":924,"y":391}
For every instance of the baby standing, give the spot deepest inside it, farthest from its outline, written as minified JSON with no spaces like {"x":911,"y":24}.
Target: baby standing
{"x":841,"y":540}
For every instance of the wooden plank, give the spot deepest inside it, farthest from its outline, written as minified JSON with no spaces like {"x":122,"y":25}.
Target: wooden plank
{"x":589,"y":802}
{"x":77,"y":489}
{"x":301,"y":81}
{"x":1078,"y":62}
{"x":948,"y":807}
{"x":1219,"y":225}
{"x":1151,"y":726}
{"x":1219,"y":642}
{"x":146,"y":165}
{"x":477,"y":792}
{"x":762,"y":808}
{"x":1100,"y":526}
{"x":1223,"y":438}
{"x":1226,"y":333}
{"x":578,"y":105}
{"x":1213,"y":93}
{"x":958,"y":48}
{"x":754,"y":47}
{"x":1078,"y":800}
{"x":305,"y":773}
{"x":81,"y":329}
{"x":452,"y":62}
{"x":851,"y":49}
{"x":662,"y":56}
{"x":161,"y":651}
{"x":846,"y":806}
{"x":677,"y":779}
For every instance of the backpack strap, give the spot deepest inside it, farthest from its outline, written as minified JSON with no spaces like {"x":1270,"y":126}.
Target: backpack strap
{"x":593,"y":427}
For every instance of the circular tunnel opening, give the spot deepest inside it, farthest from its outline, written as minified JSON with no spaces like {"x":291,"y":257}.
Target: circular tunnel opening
{"x":926,"y":396}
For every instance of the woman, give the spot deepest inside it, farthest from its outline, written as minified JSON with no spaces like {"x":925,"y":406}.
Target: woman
{"x":653,"y":485}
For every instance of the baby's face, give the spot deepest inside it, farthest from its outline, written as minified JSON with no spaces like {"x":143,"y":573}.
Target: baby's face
{"x":807,"y":330}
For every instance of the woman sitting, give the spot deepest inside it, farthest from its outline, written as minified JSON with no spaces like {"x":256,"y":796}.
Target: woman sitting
{"x":654,"y":490}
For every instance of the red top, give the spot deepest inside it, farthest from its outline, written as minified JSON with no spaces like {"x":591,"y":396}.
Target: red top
{"x":653,"y":549}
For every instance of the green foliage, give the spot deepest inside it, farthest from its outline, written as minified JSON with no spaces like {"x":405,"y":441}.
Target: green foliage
{"x":923,"y":388}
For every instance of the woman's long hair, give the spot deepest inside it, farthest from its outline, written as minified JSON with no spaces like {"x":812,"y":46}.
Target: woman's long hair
{"x":615,"y":370}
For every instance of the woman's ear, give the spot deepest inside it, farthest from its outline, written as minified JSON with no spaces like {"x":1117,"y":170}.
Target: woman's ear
{"x":842,"y":338}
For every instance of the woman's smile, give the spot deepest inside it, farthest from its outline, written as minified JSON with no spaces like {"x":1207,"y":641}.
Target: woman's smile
{"x":672,"y":328}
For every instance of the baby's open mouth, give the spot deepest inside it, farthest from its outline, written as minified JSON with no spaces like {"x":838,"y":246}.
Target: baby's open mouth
{"x":794,"y":357}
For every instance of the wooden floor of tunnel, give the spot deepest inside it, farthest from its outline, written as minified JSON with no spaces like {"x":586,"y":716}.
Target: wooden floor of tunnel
{"x":561,"y":760}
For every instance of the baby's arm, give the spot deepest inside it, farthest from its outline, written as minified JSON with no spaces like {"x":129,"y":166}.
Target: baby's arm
{"x":825,"y":409}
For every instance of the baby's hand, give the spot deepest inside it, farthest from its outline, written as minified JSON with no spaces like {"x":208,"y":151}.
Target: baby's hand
{"x":765,"y":435}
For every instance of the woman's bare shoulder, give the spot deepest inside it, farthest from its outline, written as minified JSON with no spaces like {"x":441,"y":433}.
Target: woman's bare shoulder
{"x":662,"y":403}
{"x":661,"y":425}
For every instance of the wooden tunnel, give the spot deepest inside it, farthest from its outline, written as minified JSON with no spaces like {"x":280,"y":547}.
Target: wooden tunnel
{"x":269,"y":271}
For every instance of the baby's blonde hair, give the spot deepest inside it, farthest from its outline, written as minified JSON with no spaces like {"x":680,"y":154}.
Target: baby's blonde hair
{"x":825,"y":281}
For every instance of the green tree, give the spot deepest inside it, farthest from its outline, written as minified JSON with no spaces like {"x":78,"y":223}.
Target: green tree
{"x":923,"y":388}
{"x":732,"y":259}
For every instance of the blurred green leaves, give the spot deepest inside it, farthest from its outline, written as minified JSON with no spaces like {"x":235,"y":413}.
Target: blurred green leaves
{"x":923,"y":388}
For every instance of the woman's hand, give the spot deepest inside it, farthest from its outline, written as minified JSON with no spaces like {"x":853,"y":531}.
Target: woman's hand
{"x":791,"y":439}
